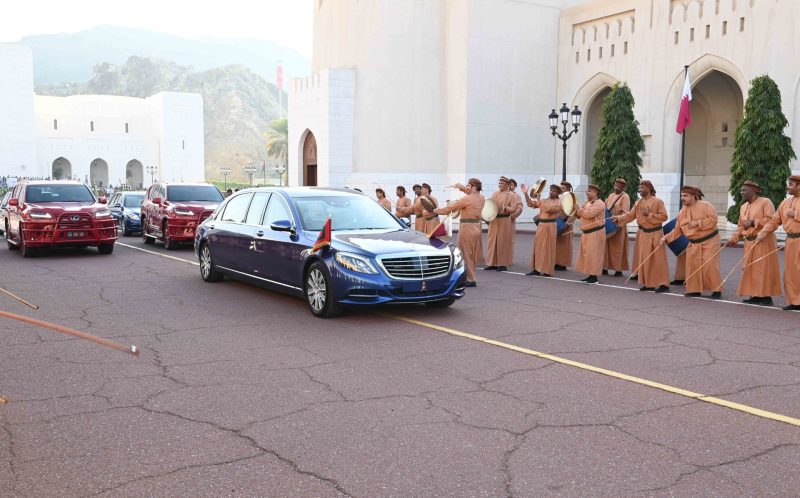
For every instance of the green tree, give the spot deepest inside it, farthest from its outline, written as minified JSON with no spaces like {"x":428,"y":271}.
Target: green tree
{"x":619,"y":143}
{"x":761,"y":151}
{"x":277,"y":138}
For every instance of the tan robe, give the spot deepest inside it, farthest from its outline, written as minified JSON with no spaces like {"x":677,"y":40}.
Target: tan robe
{"x":760,"y":279}
{"x":616,"y":257}
{"x":698,"y":253}
{"x":517,"y":212}
{"x":431,"y":219}
{"x":564,"y":246}
{"x":416,"y":210}
{"x":386,"y":204}
{"x":469,"y":230}
{"x":593,"y":245}
{"x":403,"y":203}
{"x":500,"y":248}
{"x":680,"y":266}
{"x":791,"y":256}
{"x":655,"y":270}
{"x":543,"y":259}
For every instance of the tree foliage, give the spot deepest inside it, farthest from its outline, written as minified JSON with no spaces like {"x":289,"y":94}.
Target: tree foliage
{"x":277,"y":137}
{"x":619,"y":143}
{"x":761,"y":150}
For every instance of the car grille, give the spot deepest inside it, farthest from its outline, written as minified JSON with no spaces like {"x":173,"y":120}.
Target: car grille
{"x":413,"y":267}
{"x":65,"y":221}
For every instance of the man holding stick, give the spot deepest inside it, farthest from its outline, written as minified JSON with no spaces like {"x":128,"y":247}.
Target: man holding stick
{"x":649,"y":256}
{"x":616,"y":258}
{"x":788,"y":215}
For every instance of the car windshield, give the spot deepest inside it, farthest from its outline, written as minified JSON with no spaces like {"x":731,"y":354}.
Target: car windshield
{"x":132,"y":201}
{"x":183,"y":193}
{"x":352,"y":212}
{"x":58,"y":193}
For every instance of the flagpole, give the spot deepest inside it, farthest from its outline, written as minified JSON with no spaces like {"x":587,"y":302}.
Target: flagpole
{"x":683,"y":135}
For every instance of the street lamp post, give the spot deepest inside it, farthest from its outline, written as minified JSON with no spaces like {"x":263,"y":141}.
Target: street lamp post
{"x":250,"y":170}
{"x":225,"y":172}
{"x":152,"y":170}
{"x":564,"y":136}
{"x":280,"y":170}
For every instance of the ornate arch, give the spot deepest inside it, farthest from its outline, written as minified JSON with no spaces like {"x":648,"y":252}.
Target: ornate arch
{"x":585,"y":98}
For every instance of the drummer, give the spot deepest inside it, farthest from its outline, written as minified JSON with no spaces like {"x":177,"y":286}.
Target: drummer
{"x":543,"y":260}
{"x":470,"y":227}
{"x":403,"y":202}
{"x":593,"y":237}
{"x":499,"y":248}
{"x":616,"y":258}
{"x":426,"y":221}
{"x":649,"y":257}
{"x":564,"y":243}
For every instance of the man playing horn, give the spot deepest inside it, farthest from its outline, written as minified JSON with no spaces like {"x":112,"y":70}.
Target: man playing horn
{"x":470,"y":227}
{"x":543,"y":260}
{"x":499,"y":248}
{"x":697,"y":220}
{"x":616,"y":257}
{"x":649,"y":256}
{"x":788,"y":215}
{"x":564,"y":244}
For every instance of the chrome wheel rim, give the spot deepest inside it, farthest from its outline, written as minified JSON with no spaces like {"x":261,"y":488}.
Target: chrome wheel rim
{"x":205,"y":262}
{"x":315,"y":290}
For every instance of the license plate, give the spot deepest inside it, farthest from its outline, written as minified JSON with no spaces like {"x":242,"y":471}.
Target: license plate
{"x":421,"y":286}
{"x":75,"y":235}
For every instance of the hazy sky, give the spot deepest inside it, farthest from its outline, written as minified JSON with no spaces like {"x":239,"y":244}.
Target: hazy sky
{"x":287,"y":22}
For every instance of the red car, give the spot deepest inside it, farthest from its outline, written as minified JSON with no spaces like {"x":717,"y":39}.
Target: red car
{"x":172,"y":211}
{"x":57,"y":213}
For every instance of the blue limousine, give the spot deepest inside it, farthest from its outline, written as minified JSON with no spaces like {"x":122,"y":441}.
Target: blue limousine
{"x":266,"y":236}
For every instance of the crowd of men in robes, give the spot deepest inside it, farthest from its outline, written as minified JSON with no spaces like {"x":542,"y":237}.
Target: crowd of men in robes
{"x":698,"y":267}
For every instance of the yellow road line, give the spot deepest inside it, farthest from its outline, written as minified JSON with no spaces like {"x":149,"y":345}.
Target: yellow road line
{"x":159,"y":254}
{"x":610,"y":373}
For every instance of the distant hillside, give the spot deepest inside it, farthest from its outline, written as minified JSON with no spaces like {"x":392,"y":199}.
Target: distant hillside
{"x":69,"y":57}
{"x":238,"y":104}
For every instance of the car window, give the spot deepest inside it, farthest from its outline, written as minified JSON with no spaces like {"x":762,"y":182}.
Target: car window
{"x":58,"y":193}
{"x":236,"y":208}
{"x":276,"y":211}
{"x":257,"y":208}
{"x":351,"y":212}
{"x":132,"y":200}
{"x":183,"y":193}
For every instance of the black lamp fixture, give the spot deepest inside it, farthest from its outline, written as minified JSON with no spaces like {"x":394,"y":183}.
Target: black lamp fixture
{"x":565,"y":135}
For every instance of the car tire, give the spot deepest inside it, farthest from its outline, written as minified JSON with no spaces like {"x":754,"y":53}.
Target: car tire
{"x":169,"y":244}
{"x":145,"y":238}
{"x":318,"y":292}
{"x":105,"y":248}
{"x":443,"y":303}
{"x":207,"y":270}
{"x":11,"y":246}
{"x":123,"y":230}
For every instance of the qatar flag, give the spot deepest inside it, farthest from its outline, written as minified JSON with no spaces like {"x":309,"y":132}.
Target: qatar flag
{"x":685,"y":118}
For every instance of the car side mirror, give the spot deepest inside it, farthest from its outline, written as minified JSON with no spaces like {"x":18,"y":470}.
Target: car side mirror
{"x":282,"y":226}
{"x":157,"y":201}
{"x":13,"y":202}
{"x":102,"y":200}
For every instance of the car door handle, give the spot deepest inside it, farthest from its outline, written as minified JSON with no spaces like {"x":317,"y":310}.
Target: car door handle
{"x":260,"y":233}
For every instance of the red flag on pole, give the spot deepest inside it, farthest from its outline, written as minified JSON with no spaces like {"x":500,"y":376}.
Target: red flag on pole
{"x":439,"y":231}
{"x":324,"y":238}
{"x":685,"y":118}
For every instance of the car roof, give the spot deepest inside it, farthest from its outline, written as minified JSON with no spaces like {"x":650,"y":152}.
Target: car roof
{"x":129,"y":192}
{"x":306,"y":191}
{"x":50,"y":182}
{"x":187,"y":184}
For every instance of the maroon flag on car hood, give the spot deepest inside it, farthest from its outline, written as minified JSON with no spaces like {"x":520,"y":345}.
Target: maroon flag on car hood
{"x":324,"y":238}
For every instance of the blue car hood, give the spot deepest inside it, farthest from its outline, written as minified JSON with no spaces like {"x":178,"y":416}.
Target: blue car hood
{"x":377,"y":242}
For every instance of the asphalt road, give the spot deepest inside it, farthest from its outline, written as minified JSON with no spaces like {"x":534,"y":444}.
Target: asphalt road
{"x":239,"y":391}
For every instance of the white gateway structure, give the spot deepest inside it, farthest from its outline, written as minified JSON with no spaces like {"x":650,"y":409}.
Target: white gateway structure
{"x":440,"y":91}
{"x":97,"y":139}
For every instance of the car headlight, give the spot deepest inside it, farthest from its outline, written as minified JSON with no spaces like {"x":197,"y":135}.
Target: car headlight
{"x":458,"y":258}
{"x":354,"y":262}
{"x":40,"y":215}
{"x":102,"y":213}
{"x":183,"y":212}
{"x":133,"y":216}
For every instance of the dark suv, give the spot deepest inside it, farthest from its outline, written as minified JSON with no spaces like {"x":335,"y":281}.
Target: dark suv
{"x":172,"y":211}
{"x":57,"y":213}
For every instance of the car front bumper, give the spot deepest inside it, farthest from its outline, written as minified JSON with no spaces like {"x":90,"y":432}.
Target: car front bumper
{"x":43,"y":234}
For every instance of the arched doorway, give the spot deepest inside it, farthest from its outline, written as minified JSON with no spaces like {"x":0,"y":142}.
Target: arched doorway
{"x":717,"y":108}
{"x":592,"y":123}
{"x":134,"y":174}
{"x":98,"y":173}
{"x":310,"y":160}
{"x":62,"y":169}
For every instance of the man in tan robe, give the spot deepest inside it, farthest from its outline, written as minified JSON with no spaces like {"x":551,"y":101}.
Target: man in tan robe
{"x":426,"y":221}
{"x":382,"y":200}
{"x":593,"y":237}
{"x":419,"y":222}
{"x":470,"y":227}
{"x":788,"y":215}
{"x":761,"y":278}
{"x":543,"y":260}
{"x":649,"y":256}
{"x":616,"y":257}
{"x":499,"y":248}
{"x":403,"y":202}
{"x":564,"y":244}
{"x":512,"y":186}
{"x":697,"y":220}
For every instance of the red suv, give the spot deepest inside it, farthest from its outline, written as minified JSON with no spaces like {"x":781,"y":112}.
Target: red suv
{"x":57,"y":213}
{"x":172,"y":211}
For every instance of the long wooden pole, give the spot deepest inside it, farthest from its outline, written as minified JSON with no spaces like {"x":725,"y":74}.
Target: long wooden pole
{"x":19,"y":298}
{"x":735,"y":266}
{"x":635,"y":272}
{"x":706,"y":262}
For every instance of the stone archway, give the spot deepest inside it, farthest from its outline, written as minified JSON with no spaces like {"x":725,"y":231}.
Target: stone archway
{"x":592,"y":124}
{"x":310,"y":160}
{"x":62,"y":169}
{"x":98,"y":173}
{"x":717,"y":109}
{"x":134,"y":174}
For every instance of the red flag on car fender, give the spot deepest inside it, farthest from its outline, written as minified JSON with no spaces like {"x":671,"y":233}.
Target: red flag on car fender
{"x":324,"y":238}
{"x":439,"y":231}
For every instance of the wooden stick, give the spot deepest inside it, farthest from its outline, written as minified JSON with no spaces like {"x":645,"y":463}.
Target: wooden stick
{"x":636,"y":271}
{"x":64,"y":330}
{"x":770,"y":253}
{"x":701,"y":266}
{"x":19,"y":299}
{"x":734,"y":267}
{"x":592,"y":223}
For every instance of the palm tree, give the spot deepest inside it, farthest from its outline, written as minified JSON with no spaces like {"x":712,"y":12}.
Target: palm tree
{"x":277,"y":138}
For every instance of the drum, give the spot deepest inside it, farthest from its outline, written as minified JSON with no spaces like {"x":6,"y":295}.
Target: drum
{"x":489,"y":211}
{"x":561,"y":225}
{"x":569,"y":203}
{"x":678,"y":245}
{"x":611,"y":227}
{"x":538,"y":188}
{"x":427,"y":203}
{"x":454,"y":214}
